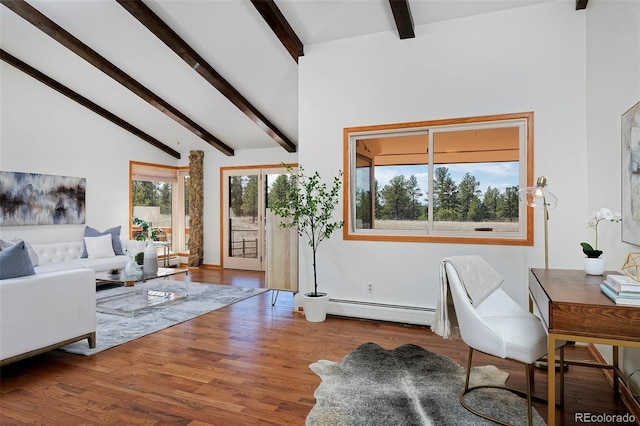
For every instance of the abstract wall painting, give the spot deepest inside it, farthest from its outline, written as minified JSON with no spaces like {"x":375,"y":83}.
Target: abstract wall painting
{"x":38,"y":199}
{"x":631,"y":175}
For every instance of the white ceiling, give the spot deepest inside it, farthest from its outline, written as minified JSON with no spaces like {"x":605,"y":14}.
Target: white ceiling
{"x":229,"y":34}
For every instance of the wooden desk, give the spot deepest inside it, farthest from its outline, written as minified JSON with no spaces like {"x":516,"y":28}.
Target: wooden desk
{"x":574,"y":309}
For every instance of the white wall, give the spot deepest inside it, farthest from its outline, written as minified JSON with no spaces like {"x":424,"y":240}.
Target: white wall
{"x":44,"y":132}
{"x":613,"y":86}
{"x":525,"y":59}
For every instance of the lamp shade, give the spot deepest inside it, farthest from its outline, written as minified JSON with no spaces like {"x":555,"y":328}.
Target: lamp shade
{"x":539,"y":195}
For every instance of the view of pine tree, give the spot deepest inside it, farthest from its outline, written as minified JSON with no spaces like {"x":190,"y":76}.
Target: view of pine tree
{"x":363,"y":208}
{"x":280,"y":189}
{"x":416,"y":210}
{"x":165,"y":198}
{"x":400,"y":199}
{"x":378,"y":203}
{"x":235,"y":194}
{"x":468,"y":197}
{"x":250,"y":197}
{"x":445,"y":195}
{"x":490,"y":202}
{"x":144,"y":193}
{"x":508,"y":208}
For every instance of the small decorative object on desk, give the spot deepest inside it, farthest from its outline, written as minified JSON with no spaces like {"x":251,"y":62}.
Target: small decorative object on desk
{"x":593,"y":263}
{"x":631,"y":266}
{"x":114,"y":271}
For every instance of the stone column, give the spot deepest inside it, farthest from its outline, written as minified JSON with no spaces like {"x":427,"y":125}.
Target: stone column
{"x":196,"y":202}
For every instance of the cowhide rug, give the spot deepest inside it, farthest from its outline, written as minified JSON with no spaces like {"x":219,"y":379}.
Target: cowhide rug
{"x":408,"y":386}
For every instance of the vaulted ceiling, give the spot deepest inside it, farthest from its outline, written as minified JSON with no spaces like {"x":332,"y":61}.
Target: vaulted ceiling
{"x":199,"y":74}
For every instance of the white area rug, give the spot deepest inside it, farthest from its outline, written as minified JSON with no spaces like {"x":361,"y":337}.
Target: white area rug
{"x":114,"y":330}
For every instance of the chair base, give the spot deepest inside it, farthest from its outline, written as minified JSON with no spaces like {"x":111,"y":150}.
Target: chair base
{"x":527,"y":394}
{"x":486,"y":416}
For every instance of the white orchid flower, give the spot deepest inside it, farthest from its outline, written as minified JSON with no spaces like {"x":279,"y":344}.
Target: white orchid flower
{"x":605,"y":213}
{"x":593,"y":221}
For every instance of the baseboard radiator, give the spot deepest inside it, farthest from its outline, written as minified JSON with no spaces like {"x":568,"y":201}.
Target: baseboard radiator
{"x":381,"y":311}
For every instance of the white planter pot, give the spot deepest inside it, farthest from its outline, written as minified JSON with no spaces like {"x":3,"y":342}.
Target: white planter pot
{"x":315,"y":308}
{"x":594,"y":266}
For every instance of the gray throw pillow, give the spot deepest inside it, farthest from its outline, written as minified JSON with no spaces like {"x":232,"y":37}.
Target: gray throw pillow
{"x":115,"y":239}
{"x":15,"y":262}
{"x":6,"y":243}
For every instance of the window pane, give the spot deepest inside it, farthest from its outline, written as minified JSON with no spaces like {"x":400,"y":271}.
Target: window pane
{"x":475,"y":182}
{"x":187,"y":221}
{"x":243,"y":216}
{"x":364,"y":207}
{"x":278,"y":186}
{"x":152,"y":202}
{"x":476,"y":197}
{"x":395,"y":165}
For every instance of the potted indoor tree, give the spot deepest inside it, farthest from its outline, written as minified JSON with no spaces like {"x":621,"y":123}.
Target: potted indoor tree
{"x":309,"y":204}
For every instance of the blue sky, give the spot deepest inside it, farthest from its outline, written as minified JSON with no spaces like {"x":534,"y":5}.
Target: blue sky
{"x":495,"y":175}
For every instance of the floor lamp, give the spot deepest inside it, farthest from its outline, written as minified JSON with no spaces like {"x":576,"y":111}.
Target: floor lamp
{"x":539,"y":196}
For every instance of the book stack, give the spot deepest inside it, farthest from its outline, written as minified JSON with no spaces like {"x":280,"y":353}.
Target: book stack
{"x":622,"y":289}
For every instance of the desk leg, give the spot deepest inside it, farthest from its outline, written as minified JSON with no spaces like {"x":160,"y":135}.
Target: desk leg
{"x":551,"y":377}
{"x":616,"y":389}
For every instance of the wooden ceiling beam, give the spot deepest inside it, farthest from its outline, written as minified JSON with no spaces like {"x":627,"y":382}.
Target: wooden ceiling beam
{"x":581,"y":4}
{"x":160,"y":29}
{"x":42,"y":22}
{"x":402,"y":16}
{"x":280,"y":26}
{"x":59,"y":87}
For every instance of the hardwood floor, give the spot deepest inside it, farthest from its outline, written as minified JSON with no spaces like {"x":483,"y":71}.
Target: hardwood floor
{"x":246,"y":364}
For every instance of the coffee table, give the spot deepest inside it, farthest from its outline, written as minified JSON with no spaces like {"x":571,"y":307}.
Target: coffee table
{"x":105,"y":277}
{"x":131,"y":302}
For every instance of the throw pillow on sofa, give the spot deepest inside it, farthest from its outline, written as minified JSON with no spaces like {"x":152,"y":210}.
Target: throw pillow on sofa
{"x":6,"y":243}
{"x":15,"y":262}
{"x":115,"y":238}
{"x":99,"y":247}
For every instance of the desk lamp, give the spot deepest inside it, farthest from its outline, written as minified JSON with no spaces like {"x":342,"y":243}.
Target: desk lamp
{"x":539,"y":196}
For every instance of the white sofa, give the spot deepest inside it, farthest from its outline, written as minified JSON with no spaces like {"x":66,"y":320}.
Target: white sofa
{"x":66,"y":255}
{"x":47,"y":310}
{"x":57,"y":305}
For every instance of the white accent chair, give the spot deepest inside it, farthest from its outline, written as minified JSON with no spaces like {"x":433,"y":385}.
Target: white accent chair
{"x":500,"y":327}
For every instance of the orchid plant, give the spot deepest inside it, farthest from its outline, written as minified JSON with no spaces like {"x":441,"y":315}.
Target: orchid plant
{"x":592,"y":222}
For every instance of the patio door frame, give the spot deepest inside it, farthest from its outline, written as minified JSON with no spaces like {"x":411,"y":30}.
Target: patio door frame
{"x":259,"y":262}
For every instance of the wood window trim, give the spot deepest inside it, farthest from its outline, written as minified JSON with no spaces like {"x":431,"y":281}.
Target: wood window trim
{"x":527,"y":240}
